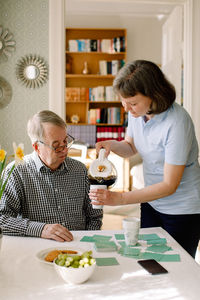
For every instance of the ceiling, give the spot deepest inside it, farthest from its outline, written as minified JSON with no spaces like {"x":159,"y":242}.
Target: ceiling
{"x":121,"y":7}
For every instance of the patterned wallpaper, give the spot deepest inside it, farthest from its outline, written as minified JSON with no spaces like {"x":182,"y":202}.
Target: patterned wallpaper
{"x":28,"y":21}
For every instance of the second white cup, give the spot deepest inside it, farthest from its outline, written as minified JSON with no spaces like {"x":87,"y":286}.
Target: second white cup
{"x":94,"y":187}
{"x":131,"y":228}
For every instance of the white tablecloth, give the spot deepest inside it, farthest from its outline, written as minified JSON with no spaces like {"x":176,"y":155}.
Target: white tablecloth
{"x":23,"y":276}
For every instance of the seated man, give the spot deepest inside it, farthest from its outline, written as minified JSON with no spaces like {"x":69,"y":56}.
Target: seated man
{"x":47,"y":196}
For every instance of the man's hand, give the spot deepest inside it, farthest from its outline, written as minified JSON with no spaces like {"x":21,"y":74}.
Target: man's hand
{"x":56,"y":232}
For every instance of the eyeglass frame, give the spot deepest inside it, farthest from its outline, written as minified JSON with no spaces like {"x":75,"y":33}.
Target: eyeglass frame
{"x":59,"y":147}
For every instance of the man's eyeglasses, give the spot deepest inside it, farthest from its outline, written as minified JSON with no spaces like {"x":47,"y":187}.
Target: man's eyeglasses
{"x":69,"y":141}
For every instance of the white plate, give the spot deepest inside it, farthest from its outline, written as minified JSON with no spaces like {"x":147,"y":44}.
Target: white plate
{"x":42,"y":254}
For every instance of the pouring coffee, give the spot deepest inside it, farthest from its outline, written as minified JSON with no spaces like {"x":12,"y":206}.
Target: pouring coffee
{"x":102,"y":173}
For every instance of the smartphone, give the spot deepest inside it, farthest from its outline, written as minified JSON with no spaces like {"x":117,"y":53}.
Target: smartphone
{"x":152,"y":266}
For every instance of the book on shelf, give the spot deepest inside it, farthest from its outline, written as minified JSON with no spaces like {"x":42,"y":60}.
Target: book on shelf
{"x":77,"y":94}
{"x":110,"y":115}
{"x":113,"y":45}
{"x":83,"y":94}
{"x":102,"y":93}
{"x":110,"y":67}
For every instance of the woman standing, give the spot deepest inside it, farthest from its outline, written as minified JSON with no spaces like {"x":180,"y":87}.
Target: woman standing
{"x":162,"y":132}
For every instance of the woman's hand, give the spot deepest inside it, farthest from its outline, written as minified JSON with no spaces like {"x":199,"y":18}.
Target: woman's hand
{"x":105,"y":197}
{"x":106,"y":145}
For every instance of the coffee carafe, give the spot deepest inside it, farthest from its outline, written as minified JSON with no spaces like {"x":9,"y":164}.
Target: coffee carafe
{"x":102,"y":171}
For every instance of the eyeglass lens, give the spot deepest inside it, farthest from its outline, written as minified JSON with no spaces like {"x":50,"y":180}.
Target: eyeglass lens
{"x":69,"y":141}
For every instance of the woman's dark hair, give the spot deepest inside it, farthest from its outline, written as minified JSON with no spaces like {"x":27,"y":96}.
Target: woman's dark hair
{"x":146,"y":78}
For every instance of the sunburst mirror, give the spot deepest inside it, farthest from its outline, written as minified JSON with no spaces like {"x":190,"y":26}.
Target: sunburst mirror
{"x":32,"y":71}
{"x":5,"y":92}
{"x":7,"y":44}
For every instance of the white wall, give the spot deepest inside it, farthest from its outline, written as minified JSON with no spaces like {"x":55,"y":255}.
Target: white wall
{"x":143,"y":33}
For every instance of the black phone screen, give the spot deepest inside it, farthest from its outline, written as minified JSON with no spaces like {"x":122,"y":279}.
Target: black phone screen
{"x":152,"y":266}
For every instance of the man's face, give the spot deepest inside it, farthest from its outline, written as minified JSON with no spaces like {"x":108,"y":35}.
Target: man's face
{"x":53,"y":136}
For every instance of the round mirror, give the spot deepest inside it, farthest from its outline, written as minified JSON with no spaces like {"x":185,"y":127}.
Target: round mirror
{"x":7,"y":44}
{"x":32,"y":71}
{"x":5,"y":92}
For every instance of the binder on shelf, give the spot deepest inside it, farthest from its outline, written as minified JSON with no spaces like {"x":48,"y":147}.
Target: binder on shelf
{"x":93,"y":45}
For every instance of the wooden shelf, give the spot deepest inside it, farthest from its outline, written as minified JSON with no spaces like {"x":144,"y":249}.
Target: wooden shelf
{"x":75,"y":65}
{"x":111,"y":54}
{"x":89,"y":76}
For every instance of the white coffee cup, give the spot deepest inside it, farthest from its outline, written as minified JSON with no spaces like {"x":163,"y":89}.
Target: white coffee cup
{"x":131,"y":227}
{"x":94,"y":187}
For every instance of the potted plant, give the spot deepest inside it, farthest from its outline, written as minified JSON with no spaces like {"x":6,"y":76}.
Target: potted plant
{"x":4,"y":160}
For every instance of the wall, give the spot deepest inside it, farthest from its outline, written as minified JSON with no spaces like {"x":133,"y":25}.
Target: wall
{"x":143,"y":33}
{"x":28,"y":21}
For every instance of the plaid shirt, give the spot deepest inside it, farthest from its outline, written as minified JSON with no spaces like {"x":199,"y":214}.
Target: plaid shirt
{"x":35,"y":196}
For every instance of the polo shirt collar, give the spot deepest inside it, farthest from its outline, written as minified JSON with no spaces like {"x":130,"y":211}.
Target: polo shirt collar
{"x":159,"y":117}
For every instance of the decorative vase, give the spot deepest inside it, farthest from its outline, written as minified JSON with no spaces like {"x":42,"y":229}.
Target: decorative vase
{"x":85,"y":69}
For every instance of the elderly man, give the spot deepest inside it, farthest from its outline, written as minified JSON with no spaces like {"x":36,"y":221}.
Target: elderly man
{"x":47,"y":196}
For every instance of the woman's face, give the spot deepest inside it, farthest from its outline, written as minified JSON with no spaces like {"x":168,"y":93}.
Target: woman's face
{"x":138,"y":105}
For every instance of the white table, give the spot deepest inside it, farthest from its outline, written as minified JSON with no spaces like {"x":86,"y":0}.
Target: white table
{"x":23,"y":277}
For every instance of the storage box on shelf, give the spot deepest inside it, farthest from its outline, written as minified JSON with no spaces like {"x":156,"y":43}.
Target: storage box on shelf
{"x":93,"y":58}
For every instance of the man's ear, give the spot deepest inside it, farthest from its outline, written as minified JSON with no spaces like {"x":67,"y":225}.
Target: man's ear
{"x":35,"y":146}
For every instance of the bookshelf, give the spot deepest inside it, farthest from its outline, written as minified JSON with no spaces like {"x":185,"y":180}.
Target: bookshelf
{"x":90,"y":95}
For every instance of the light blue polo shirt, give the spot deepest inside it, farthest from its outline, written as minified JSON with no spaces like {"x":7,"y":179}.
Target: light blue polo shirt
{"x":169,"y":137}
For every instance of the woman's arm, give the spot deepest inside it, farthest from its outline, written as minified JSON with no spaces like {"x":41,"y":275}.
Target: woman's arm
{"x":125,"y":148}
{"x":171,"y":181}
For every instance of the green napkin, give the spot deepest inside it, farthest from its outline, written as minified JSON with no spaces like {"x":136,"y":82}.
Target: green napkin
{"x":105,"y":246}
{"x":87,"y":239}
{"x":159,"y":248}
{"x":119,"y":236}
{"x":98,"y":237}
{"x":160,"y":256}
{"x":106,"y":261}
{"x":147,"y":237}
{"x":170,"y":257}
{"x":159,"y":241}
{"x":123,"y":244}
{"x":150,"y":255}
{"x":129,"y":252}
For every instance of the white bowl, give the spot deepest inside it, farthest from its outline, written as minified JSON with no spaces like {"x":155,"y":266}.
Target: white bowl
{"x":75,"y":275}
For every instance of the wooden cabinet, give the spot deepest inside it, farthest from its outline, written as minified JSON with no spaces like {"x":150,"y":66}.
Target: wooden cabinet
{"x":98,"y":52}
